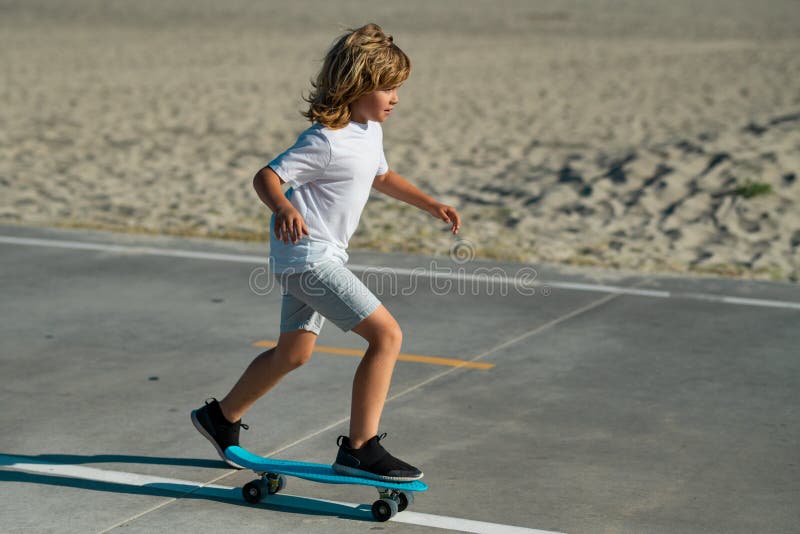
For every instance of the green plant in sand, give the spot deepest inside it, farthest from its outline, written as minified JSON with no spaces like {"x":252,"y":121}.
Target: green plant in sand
{"x":750,"y":189}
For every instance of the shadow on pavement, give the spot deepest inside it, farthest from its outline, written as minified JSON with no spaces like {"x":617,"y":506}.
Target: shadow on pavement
{"x":188,"y":491}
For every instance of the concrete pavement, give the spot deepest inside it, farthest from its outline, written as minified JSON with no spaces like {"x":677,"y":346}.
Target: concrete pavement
{"x":617,"y":402}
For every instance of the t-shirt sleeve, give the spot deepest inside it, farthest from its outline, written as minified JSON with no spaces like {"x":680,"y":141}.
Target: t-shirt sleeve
{"x":383,"y":166}
{"x":305,"y":161}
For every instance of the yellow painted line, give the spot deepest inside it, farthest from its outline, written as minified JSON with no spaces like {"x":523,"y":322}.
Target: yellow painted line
{"x":420,"y":358}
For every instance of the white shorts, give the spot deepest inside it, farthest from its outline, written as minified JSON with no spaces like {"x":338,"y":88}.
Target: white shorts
{"x":327,"y":290}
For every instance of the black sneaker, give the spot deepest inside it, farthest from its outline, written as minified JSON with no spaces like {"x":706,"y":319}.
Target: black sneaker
{"x":372,"y":461}
{"x":210,"y":422}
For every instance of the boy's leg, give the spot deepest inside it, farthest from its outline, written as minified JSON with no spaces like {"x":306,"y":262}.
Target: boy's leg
{"x":374,"y":374}
{"x":219,"y":422}
{"x":361,"y":454}
{"x":266,"y":370}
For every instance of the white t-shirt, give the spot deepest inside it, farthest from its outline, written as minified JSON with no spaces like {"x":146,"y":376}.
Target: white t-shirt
{"x":331,"y":174}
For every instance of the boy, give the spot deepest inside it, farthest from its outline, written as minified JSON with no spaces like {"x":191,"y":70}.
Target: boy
{"x":331,"y":168}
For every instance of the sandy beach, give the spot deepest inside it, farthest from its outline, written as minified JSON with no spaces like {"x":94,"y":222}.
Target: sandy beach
{"x":652,"y":136}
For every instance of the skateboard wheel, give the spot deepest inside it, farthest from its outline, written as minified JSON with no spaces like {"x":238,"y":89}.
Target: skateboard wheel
{"x":384,"y":509}
{"x":254,"y":491}
{"x":404,"y":500}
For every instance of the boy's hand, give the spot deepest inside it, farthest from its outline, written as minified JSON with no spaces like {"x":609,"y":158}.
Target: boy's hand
{"x":289,"y":224}
{"x":447,"y":214}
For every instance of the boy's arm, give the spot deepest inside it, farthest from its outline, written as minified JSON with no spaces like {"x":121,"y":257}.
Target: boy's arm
{"x":289,"y":224}
{"x":396,"y":186}
{"x":267,"y":184}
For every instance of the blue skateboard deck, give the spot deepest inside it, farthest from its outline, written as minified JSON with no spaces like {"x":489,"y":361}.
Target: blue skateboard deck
{"x":395,"y":496}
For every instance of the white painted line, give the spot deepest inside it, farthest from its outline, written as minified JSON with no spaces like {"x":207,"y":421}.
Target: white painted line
{"x":462,"y":525}
{"x":186,"y":487}
{"x":609,"y":289}
{"x":761,"y":302}
{"x":517,"y":281}
{"x":483,"y":277}
{"x":98,"y":475}
{"x":131,"y":249}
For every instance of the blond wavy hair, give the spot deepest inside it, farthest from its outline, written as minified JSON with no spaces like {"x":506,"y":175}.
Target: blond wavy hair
{"x":359,"y":62}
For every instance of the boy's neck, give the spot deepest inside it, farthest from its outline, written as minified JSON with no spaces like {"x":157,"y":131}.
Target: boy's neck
{"x":359,"y":119}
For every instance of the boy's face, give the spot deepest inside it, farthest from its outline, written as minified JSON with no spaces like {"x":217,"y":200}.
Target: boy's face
{"x":375,"y":106}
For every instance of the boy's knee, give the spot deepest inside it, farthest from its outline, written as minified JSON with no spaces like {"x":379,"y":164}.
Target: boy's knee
{"x":397,"y":335}
{"x":294,"y":359}
{"x":380,"y":328}
{"x":391,"y":335}
{"x":294,"y":349}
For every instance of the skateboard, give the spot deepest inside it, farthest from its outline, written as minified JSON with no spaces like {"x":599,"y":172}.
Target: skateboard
{"x":394,"y":496}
